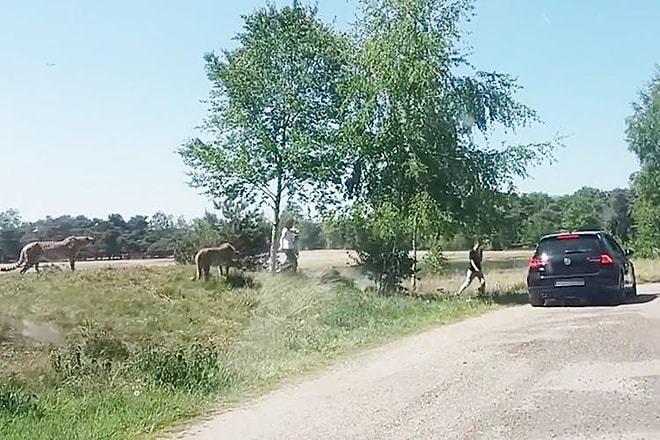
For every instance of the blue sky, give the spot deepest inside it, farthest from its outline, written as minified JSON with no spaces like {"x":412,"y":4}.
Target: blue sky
{"x":96,"y":132}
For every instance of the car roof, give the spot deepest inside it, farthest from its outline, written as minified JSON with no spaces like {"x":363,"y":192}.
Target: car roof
{"x":585,"y":232}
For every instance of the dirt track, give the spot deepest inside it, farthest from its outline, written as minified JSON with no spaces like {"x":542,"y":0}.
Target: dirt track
{"x":120,"y":263}
{"x":517,"y":373}
{"x":308,"y":259}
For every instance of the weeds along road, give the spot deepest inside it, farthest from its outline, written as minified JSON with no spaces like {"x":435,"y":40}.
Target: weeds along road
{"x":517,"y":373}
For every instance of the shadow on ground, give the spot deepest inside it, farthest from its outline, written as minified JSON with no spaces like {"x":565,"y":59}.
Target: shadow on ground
{"x":641,"y":298}
{"x":241,"y":280}
{"x":519,"y":298}
{"x":507,"y":299}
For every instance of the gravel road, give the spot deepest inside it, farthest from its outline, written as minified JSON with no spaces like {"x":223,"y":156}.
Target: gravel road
{"x":516,"y":373}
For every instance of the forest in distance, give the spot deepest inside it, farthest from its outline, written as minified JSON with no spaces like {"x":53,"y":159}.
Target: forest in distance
{"x":526,"y":218}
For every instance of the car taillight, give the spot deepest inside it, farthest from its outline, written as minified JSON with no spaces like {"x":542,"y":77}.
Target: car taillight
{"x":606,"y":259}
{"x":535,"y":262}
{"x":602,"y":259}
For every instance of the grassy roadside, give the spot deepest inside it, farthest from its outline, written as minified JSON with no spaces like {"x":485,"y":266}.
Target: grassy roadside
{"x":142,"y":348}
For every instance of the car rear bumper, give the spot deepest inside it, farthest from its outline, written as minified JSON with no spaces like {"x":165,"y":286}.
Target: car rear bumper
{"x":591,"y":293}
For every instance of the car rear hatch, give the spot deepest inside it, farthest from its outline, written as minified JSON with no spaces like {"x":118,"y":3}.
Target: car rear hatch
{"x":567,"y":255}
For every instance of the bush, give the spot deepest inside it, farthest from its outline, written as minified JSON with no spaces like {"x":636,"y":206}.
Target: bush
{"x":95,"y":353}
{"x":197,"y":368}
{"x":247,"y":230}
{"x":382,"y":246}
{"x":17,"y":403}
{"x":244,"y":227}
{"x":434,"y":261}
{"x":384,"y":264}
{"x":204,"y":232}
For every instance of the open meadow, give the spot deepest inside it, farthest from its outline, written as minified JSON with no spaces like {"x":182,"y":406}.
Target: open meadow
{"x":131,"y":349}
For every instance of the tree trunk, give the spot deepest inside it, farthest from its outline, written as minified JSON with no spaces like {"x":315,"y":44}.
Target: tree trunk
{"x":274,"y":245}
{"x":414,"y":251}
{"x":273,"y":241}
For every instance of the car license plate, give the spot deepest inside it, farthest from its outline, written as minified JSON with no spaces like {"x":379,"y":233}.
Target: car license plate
{"x":570,"y":283}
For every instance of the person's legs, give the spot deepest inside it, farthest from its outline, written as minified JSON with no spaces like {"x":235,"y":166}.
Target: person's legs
{"x":280,"y":266}
{"x":468,"y":280}
{"x":290,"y":262}
{"x":294,"y":260}
{"x":482,"y":283}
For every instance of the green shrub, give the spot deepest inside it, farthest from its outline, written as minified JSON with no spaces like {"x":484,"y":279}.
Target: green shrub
{"x":95,"y":353}
{"x":15,"y":402}
{"x":239,"y":225}
{"x":197,"y":368}
{"x":382,"y":244}
{"x":434,"y":261}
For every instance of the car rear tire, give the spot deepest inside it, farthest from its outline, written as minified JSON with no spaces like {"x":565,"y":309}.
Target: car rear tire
{"x":535,"y":300}
{"x":631,"y":291}
{"x":619,"y":296}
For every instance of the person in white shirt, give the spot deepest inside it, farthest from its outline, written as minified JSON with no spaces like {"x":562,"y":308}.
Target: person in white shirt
{"x":289,"y":245}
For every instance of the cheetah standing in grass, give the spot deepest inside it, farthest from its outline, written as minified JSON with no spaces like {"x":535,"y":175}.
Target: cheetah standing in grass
{"x":223,"y":255}
{"x":36,"y":252}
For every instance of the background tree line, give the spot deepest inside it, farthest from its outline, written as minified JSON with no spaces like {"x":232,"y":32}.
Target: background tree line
{"x":526,"y":219}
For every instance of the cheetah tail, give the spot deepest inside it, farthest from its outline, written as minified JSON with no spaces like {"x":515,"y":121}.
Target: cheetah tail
{"x":14,"y":266}
{"x":10,"y":268}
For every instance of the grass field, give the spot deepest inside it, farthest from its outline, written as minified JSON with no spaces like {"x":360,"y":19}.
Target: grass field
{"x":127,"y":351}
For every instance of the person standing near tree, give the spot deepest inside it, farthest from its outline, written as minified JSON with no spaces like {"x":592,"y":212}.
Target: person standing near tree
{"x":475,"y":259}
{"x":289,"y":245}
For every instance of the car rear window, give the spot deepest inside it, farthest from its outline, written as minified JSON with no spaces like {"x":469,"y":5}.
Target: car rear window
{"x":584,"y":244}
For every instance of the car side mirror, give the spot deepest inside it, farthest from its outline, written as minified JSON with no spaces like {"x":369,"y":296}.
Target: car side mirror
{"x":629,"y":252}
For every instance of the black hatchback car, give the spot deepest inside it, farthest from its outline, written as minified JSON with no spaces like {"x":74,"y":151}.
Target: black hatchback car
{"x":580,"y":267}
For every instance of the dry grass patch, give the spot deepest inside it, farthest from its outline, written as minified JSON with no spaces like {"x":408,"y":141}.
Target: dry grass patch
{"x":498,"y":282}
{"x":647,"y":271}
{"x":338,"y":258}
